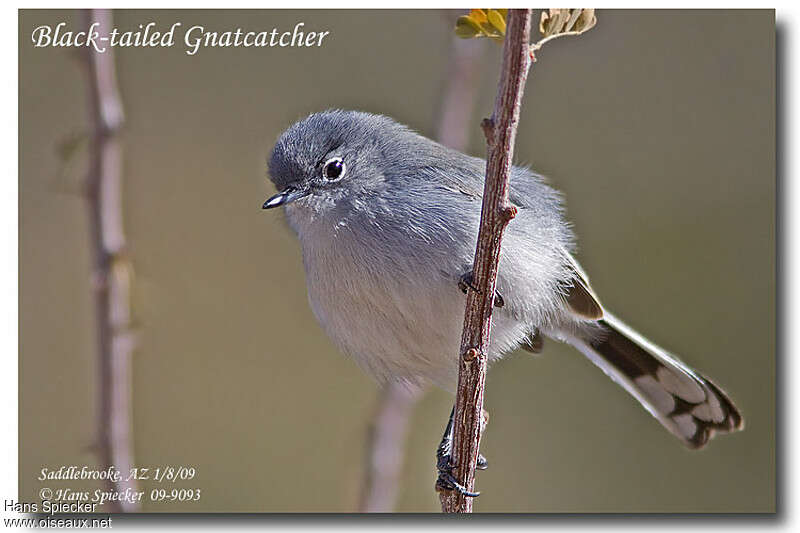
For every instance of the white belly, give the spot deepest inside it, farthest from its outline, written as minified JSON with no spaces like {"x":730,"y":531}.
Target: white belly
{"x":403,"y":327}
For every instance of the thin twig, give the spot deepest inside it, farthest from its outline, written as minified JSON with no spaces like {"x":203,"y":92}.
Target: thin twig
{"x":536,"y":46}
{"x":566,"y":22}
{"x":112,"y":272}
{"x":388,"y":430}
{"x":496,"y":213}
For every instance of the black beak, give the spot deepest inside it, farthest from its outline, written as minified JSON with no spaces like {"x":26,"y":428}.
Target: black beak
{"x":287,"y":195}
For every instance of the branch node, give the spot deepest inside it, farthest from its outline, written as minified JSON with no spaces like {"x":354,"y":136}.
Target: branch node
{"x":471,"y":354}
{"x":507,"y":213}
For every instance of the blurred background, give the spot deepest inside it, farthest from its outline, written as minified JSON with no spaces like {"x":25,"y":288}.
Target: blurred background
{"x":659,"y":126}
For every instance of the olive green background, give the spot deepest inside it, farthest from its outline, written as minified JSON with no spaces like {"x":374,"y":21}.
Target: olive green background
{"x":659,"y":126}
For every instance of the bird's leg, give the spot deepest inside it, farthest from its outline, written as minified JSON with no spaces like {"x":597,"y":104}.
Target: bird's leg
{"x":467,"y":281}
{"x":446,"y":480}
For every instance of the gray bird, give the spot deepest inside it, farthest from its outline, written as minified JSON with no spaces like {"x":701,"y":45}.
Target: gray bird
{"x":388,"y":222}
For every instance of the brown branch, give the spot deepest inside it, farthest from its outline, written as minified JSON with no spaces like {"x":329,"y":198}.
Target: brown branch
{"x":112,"y":271}
{"x":389,"y":427}
{"x":496,"y":213}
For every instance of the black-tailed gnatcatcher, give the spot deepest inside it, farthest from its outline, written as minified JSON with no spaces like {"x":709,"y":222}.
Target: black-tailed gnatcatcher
{"x":388,"y":224}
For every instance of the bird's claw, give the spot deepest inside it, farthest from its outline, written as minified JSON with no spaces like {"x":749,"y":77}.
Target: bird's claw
{"x":447,"y":482}
{"x":483,"y":464}
{"x":466,"y":281}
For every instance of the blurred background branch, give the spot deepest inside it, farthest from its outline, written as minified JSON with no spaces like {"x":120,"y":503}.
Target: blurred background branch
{"x":112,"y":271}
{"x":386,"y":443}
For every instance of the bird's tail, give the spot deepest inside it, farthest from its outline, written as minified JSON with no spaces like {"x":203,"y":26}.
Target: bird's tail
{"x":689,"y":405}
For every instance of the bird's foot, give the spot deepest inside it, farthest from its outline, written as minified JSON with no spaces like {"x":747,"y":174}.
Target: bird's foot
{"x":447,"y":481}
{"x":467,"y":281}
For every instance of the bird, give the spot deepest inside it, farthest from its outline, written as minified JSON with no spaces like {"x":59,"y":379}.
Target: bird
{"x":387,"y":221}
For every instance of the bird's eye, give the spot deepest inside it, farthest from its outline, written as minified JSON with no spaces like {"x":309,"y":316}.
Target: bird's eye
{"x":333,"y":169}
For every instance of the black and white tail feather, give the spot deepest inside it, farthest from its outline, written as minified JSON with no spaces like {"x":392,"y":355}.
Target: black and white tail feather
{"x":688,"y":404}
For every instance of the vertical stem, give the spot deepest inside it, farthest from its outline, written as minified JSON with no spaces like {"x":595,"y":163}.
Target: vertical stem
{"x":389,"y":427}
{"x":112,"y":272}
{"x":496,"y":213}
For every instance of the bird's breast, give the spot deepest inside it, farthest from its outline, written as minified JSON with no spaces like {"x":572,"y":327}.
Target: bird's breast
{"x":391,"y":301}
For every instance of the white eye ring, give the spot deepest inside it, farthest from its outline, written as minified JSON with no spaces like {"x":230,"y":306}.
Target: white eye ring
{"x":334,"y":169}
